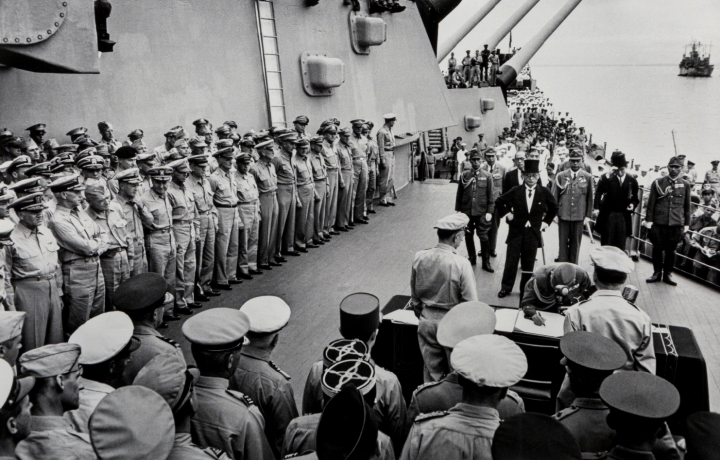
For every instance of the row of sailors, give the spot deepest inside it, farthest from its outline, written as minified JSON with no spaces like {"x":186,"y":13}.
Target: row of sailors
{"x":166,"y":213}
{"x":118,"y":389}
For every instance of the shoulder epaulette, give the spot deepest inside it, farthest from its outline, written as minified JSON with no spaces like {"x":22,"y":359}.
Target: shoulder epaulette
{"x":277,"y":368}
{"x":566,"y":412}
{"x":427,"y":385}
{"x":514,"y":396}
{"x":216,"y":453}
{"x":247,"y":400}
{"x":430,"y":415}
{"x":170,"y":341}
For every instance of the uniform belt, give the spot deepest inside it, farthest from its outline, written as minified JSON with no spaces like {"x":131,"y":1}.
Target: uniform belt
{"x":360,"y":159}
{"x":321,"y":180}
{"x":203,"y":213}
{"x":249,"y":203}
{"x":272,"y":192}
{"x":162,"y":230}
{"x":182,"y":221}
{"x":86,"y":260}
{"x":217,"y":205}
{"x":110,"y":253}
{"x":48,"y":276}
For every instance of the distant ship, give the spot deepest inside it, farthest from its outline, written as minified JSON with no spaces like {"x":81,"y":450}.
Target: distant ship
{"x":697,"y":64}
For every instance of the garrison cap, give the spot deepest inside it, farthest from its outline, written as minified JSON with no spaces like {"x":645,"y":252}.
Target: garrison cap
{"x":126,"y":152}
{"x":67,"y":183}
{"x":200,"y":122}
{"x":160,"y":173}
{"x":317,"y":140}
{"x":91,"y":162}
{"x":179,"y":165}
{"x":612,"y":258}
{"x":701,"y":436}
{"x":359,"y":316}
{"x":390,"y":116}
{"x":131,"y":176}
{"x":592,"y":350}
{"x":132,"y":423}
{"x":136,"y":134}
{"x":266,"y":313}
{"x":264,"y":145}
{"x":198,"y":159}
{"x":152,"y":286}
{"x":347,"y":428}
{"x":50,"y":360}
{"x":169,"y":376}
{"x":102,"y":337}
{"x":40,"y":127}
{"x":227,"y":152}
{"x":40,"y":169}
{"x":489,"y":360}
{"x":243,"y":157}
{"x":29,"y":185}
{"x":76,"y":132}
{"x":219,"y":329}
{"x":675,"y":161}
{"x":302,"y":143}
{"x":454,"y":222}
{"x":640,"y":394}
{"x":12,"y":389}
{"x":465,"y":320}
{"x":342,"y":349}
{"x":222,"y":143}
{"x":6,"y":228}
{"x":145,"y":157}
{"x":32,"y":202}
{"x":532,"y":436}
{"x":11,"y":322}
{"x":301,"y":120}
{"x":359,"y":372}
{"x":475,"y":154}
{"x":22,"y":161}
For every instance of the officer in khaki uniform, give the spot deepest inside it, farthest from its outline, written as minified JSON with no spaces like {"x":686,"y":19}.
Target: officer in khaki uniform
{"x":135,"y":213}
{"x":669,"y":210}
{"x":373,"y":160}
{"x":307,"y":196}
{"x":574,"y":191}
{"x":343,"y":222}
{"x":249,"y":208}
{"x":319,"y":172}
{"x":474,"y":198}
{"x":56,"y":371}
{"x":206,"y":217}
{"x":35,"y":274}
{"x":260,"y":378}
{"x":224,"y":188}
{"x":287,"y":197}
{"x":81,"y":243}
{"x":266,"y":179}
{"x":497,"y":171}
{"x":386,"y":155}
{"x":224,"y":419}
{"x":358,"y":149}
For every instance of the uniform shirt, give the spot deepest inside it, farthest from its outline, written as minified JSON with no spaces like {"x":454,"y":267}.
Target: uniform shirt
{"x":318,"y":166}
{"x":228,"y":420}
{"x":284,"y":168}
{"x":711,"y":177}
{"x":302,"y":431}
{"x":135,"y":214}
{"x":385,"y":141}
{"x":160,"y":152}
{"x":464,"y":431}
{"x":223,"y":187}
{"x":144,"y":186}
{"x":609,"y":314}
{"x":113,"y":143}
{"x":345,"y":157}
{"x":330,"y":155}
{"x":92,"y":393}
{"x":34,"y":254}
{"x":442,"y":395}
{"x":497,"y":172}
{"x":574,"y":195}
{"x":669,"y":202}
{"x":152,"y":344}
{"x":202,"y":193}
{"x":114,"y":226}
{"x":184,"y":449}
{"x":161,"y":211}
{"x":247,"y":189}
{"x":440,"y":278}
{"x":303,"y":171}
{"x":53,"y":438}
{"x":475,"y":193}
{"x":269,"y":387}
{"x":358,"y":147}
{"x":265,"y":176}
{"x":390,"y":409}
{"x":182,"y":201}
{"x":76,"y":233}
{"x":373,"y":154}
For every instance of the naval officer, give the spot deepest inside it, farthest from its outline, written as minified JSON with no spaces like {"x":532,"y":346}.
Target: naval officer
{"x":206,"y":222}
{"x":386,"y":154}
{"x":135,"y":213}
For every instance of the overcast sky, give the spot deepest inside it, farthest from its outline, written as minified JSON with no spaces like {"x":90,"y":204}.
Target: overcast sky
{"x":599,"y":32}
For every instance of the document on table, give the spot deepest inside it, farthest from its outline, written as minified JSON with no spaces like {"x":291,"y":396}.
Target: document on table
{"x":403,"y":317}
{"x":506,"y":318}
{"x":553,"y":325}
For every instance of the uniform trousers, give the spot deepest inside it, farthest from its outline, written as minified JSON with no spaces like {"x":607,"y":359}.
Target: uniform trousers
{"x":248,"y":252}
{"x":116,"y":270}
{"x":205,"y":251}
{"x":40,"y":300}
{"x":331,"y":203}
{"x":226,"y":244}
{"x":305,"y":216}
{"x":287,"y":199}
{"x":84,"y":291}
{"x":185,"y":266}
{"x":372,"y":185}
{"x":386,"y":176}
{"x":431,"y":170}
{"x":481,"y":226}
{"x":267,"y":231}
{"x":664,"y":239}
{"x":570,"y":233}
{"x":433,"y":354}
{"x":614,"y":232}
{"x":162,"y":255}
{"x":493,"y":232}
{"x":467,"y":73}
{"x":319,"y":211}
{"x":360,"y":180}
{"x":522,"y":249}
{"x":344,"y":205}
{"x":484,"y":72}
{"x":139,"y":262}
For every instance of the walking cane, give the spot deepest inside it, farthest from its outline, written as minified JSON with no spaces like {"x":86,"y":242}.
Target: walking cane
{"x":542,"y":246}
{"x":589,"y":230}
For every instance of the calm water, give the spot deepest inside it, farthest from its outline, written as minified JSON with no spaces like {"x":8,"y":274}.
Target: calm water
{"x":634,"y":109}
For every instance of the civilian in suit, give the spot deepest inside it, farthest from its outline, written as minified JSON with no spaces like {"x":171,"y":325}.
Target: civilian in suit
{"x":531,"y":209}
{"x":616,"y":197}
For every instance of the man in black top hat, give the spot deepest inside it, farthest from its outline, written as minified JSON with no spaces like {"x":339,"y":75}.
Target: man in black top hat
{"x":531,"y":209}
{"x":616,"y":198}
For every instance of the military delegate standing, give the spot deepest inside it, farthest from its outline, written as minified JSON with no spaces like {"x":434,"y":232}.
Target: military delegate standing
{"x":386,"y":155}
{"x":307,"y":196}
{"x":373,"y":159}
{"x":81,"y":243}
{"x":258,"y":376}
{"x":322,"y":191}
{"x":712,"y":177}
{"x":15,"y":418}
{"x":135,"y":213}
{"x":224,"y":188}
{"x":474,"y":198}
{"x":497,"y":171}
{"x":266,"y":179}
{"x":186,"y":229}
{"x":56,"y":371}
{"x":287,"y":197}
{"x":668,"y":218}
{"x":35,"y":274}
{"x":358,"y":149}
{"x":344,"y":205}
{"x":335,"y":180}
{"x":440,"y":279}
{"x":300,"y":124}
{"x":224,"y":419}
{"x":249,"y":210}
{"x":107,"y":136}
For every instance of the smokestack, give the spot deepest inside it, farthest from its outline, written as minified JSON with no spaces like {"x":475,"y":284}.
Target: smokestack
{"x":493,"y":40}
{"x":448,"y":45}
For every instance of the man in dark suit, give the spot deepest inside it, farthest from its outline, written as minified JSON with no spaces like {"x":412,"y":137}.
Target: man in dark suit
{"x":531,"y":209}
{"x":616,"y":197}
{"x":515,"y":176}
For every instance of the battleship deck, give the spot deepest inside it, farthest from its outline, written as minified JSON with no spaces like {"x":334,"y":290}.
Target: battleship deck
{"x":376,"y":258}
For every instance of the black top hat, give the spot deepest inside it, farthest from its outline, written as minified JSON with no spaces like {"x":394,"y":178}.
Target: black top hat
{"x":532,"y":166}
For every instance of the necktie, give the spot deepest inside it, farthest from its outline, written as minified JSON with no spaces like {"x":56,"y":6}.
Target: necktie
{"x":573,"y":176}
{"x":529,"y":193}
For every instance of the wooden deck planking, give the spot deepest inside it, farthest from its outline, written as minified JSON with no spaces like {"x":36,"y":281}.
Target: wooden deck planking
{"x":376,"y":258}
